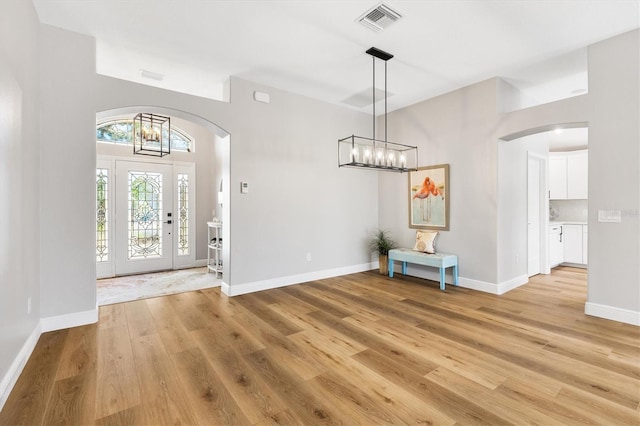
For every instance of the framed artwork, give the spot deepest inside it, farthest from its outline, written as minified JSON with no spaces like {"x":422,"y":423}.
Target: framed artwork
{"x":429,"y":198}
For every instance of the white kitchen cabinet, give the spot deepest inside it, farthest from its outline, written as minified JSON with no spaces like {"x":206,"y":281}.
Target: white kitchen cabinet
{"x":577,"y":176}
{"x":558,"y":177}
{"x":556,"y":246}
{"x":572,"y":235}
{"x":568,"y":175}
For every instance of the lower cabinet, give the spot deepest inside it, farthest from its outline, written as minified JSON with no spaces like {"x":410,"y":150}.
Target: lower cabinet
{"x":575,"y":246}
{"x":556,"y":246}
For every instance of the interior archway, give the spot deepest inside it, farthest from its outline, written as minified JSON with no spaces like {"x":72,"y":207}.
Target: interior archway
{"x":211,"y":154}
{"x":513,"y":152}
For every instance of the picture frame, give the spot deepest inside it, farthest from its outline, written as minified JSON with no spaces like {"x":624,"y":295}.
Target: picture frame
{"x":429,"y":198}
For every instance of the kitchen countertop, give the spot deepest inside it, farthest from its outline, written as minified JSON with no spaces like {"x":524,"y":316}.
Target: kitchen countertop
{"x":566,"y":222}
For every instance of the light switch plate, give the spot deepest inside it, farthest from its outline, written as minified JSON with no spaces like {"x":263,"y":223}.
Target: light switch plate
{"x":244,"y":187}
{"x":610,"y":216}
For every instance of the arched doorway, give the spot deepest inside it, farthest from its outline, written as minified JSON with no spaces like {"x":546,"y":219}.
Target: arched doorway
{"x":188,"y":183}
{"x":517,"y":155}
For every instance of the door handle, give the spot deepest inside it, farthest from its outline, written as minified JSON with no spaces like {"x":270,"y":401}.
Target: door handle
{"x":169,"y":222}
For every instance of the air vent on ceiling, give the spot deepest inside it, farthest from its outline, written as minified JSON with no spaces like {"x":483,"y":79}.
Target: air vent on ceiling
{"x":379,"y":18}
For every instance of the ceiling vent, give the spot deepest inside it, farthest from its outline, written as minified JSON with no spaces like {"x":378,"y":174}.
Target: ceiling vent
{"x":379,"y":18}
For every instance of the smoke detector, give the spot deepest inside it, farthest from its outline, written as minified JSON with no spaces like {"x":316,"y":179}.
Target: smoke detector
{"x":379,"y":17}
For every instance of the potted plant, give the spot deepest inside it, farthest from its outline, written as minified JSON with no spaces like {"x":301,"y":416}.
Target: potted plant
{"x":381,"y":243}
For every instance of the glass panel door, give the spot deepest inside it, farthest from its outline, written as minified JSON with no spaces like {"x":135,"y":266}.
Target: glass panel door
{"x":144,"y":217}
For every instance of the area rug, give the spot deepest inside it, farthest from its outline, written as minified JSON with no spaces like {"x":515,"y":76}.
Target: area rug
{"x":134,"y":287}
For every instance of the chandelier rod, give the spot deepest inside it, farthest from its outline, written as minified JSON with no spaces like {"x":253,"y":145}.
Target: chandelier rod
{"x":373,"y":89}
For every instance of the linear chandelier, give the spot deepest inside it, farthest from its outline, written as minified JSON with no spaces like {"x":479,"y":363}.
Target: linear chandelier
{"x":151,"y":134}
{"x":372,"y":153}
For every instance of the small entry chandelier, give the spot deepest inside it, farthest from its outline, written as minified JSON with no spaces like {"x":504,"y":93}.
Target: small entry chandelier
{"x":372,"y":153}
{"x":151,"y":134}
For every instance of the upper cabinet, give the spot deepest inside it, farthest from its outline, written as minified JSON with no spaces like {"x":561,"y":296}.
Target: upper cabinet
{"x":568,"y":175}
{"x":578,"y":175}
{"x":557,"y":177}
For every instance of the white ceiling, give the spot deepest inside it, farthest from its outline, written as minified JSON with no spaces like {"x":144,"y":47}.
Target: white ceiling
{"x":316,"y":48}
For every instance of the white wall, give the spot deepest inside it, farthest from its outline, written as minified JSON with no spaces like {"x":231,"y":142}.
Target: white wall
{"x":458,"y":128}
{"x":614,"y":177}
{"x":68,"y":162}
{"x":299,"y":201}
{"x":19,"y":189}
{"x":462,"y":128}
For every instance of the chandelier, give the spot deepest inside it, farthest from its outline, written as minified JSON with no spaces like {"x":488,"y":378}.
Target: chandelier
{"x":372,"y":153}
{"x":151,"y":134}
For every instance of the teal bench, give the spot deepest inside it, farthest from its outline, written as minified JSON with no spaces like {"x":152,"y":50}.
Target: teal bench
{"x":438,"y":260}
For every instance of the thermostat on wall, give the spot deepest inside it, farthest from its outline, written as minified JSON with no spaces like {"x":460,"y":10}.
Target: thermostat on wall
{"x":244,"y":187}
{"x":261,"y":97}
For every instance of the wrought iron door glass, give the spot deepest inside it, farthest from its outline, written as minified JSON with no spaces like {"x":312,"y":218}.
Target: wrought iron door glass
{"x":145,"y":215}
{"x":183,"y":214}
{"x":102,"y":222}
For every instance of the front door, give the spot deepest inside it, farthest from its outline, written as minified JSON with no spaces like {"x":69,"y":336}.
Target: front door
{"x":144,"y":216}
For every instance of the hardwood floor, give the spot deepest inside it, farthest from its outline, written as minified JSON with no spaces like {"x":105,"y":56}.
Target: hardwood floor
{"x":357,"y":349}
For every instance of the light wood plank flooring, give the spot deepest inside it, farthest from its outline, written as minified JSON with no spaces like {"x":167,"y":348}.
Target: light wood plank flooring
{"x":359,"y":349}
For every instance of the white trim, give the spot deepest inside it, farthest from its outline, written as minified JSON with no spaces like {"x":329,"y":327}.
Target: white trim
{"x":13,"y":373}
{"x":574,"y":265}
{"x":197,"y":264}
{"x":69,"y":320}
{"x":478,"y":285}
{"x":492,"y":288}
{"x":143,"y":159}
{"x":245,"y":288}
{"x":200,"y":262}
{"x":626,"y":316}
{"x":484,"y":286}
{"x":509,"y":285}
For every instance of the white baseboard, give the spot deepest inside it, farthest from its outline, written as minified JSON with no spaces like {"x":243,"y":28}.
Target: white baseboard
{"x":199,"y":263}
{"x":224,"y":287}
{"x":429,"y":273}
{"x":574,"y":265}
{"x":11,"y":377}
{"x":509,"y":285}
{"x":69,"y":320}
{"x":236,"y":290}
{"x":626,"y":316}
{"x":484,"y":286}
{"x":478,"y":285}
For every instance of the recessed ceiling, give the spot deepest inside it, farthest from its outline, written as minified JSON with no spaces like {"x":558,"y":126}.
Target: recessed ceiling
{"x":316,"y":48}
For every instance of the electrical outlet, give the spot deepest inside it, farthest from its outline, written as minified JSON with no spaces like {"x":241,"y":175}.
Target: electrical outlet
{"x":308,"y":257}
{"x":28,"y":305}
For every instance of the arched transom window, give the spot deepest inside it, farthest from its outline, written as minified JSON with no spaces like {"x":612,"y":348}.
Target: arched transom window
{"x":120,"y":132}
